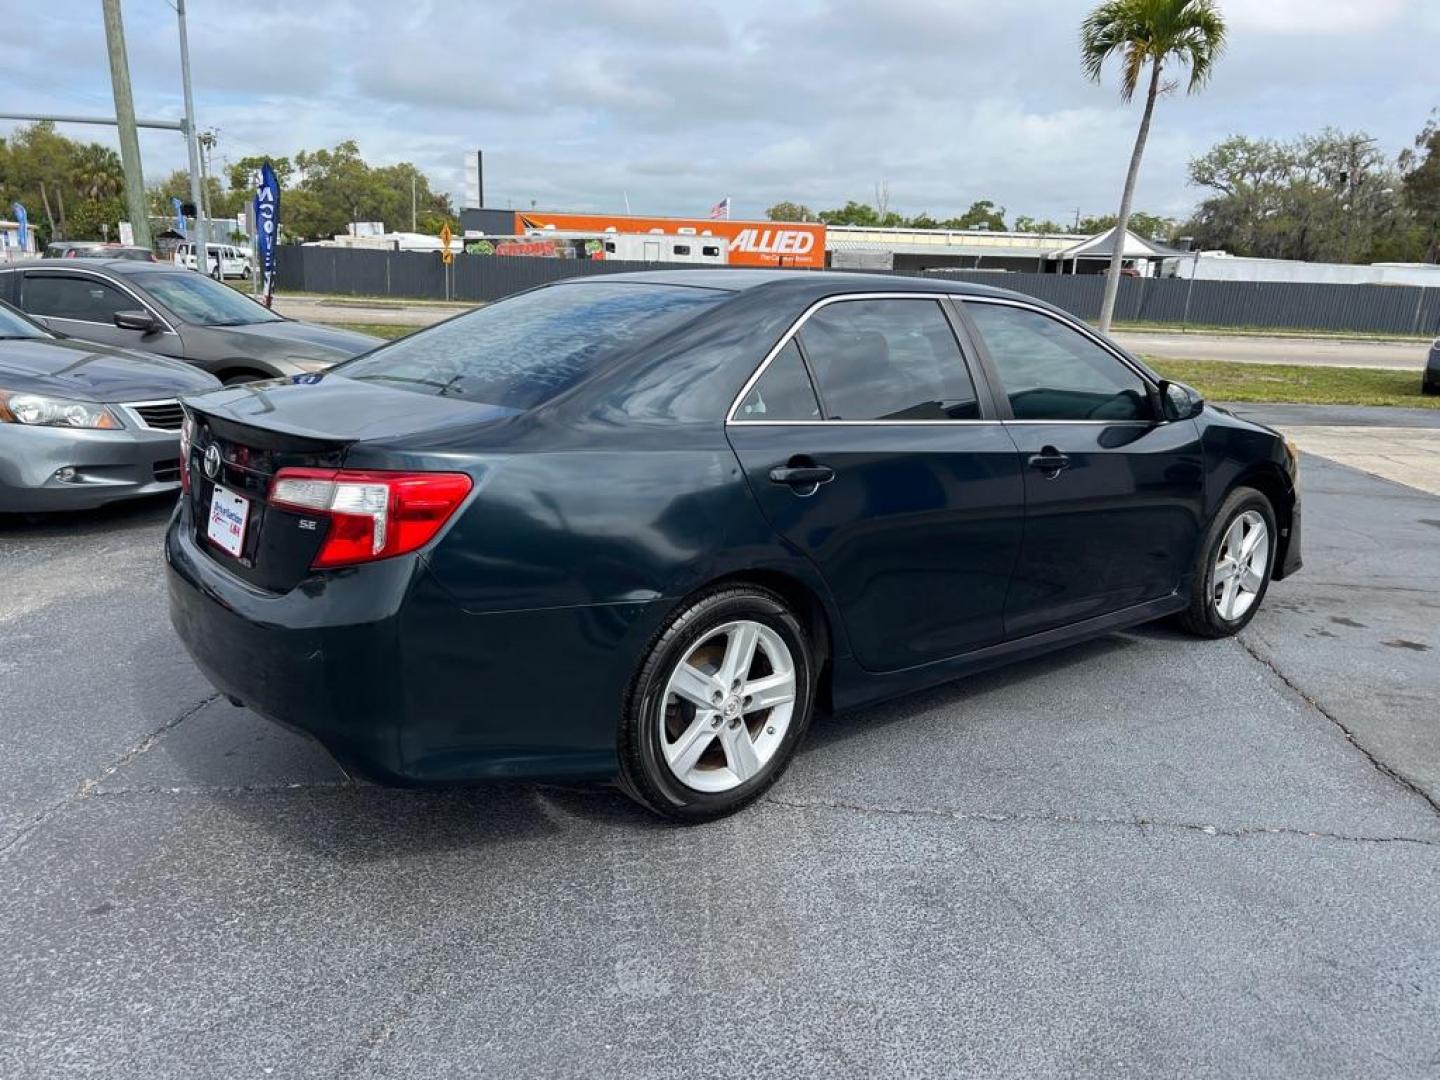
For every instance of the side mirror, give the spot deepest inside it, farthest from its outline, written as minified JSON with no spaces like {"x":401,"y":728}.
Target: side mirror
{"x":136,"y":320}
{"x":1180,"y":402}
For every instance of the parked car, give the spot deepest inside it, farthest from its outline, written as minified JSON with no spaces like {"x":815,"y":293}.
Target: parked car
{"x":94,"y":249}
{"x":643,"y":525}
{"x":161,"y":308}
{"x":1430,"y":384}
{"x":81,"y":424}
{"x":226,"y":260}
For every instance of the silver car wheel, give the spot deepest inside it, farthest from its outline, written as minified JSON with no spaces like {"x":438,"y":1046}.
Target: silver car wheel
{"x":1241,"y":565}
{"x":727,"y":706}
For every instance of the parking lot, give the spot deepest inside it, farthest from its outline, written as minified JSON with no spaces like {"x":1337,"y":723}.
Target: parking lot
{"x":1143,"y":856}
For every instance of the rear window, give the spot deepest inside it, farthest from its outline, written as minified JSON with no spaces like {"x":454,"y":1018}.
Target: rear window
{"x":521,"y":352}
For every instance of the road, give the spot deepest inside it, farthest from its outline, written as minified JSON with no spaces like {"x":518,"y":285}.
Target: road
{"x":1143,"y":856}
{"x":1169,"y":345}
{"x":1244,"y":349}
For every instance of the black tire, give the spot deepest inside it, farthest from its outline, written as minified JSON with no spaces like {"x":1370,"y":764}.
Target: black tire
{"x":1202,"y":618}
{"x":644,"y":774}
{"x":244,"y":377}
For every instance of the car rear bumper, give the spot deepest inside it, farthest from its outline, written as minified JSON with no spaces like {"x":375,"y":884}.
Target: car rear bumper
{"x":398,"y":682}
{"x":109,"y":465}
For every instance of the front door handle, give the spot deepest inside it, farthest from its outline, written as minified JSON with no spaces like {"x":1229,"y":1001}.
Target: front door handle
{"x":1050,"y":461}
{"x":801,"y":477}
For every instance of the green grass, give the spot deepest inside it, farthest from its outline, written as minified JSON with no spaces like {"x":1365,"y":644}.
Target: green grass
{"x":1267,"y":331}
{"x":385,"y":330}
{"x":1223,"y":380}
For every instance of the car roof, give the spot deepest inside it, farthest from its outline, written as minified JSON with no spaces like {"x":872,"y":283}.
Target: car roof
{"x":746,"y":279}
{"x":103,"y":262}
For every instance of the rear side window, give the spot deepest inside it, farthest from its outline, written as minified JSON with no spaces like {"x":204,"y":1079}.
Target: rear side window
{"x":1052,"y":372}
{"x":783,"y":392}
{"x":521,"y":352}
{"x":74,"y":296}
{"x":888,"y":360}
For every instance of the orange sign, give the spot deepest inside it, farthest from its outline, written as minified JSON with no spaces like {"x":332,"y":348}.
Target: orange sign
{"x":752,"y":243}
{"x":446,"y":255}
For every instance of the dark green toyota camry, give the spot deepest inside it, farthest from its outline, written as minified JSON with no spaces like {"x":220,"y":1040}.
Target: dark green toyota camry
{"x":644,"y":527}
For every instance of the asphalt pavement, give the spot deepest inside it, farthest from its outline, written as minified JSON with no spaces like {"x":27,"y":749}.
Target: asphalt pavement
{"x":1143,"y":856}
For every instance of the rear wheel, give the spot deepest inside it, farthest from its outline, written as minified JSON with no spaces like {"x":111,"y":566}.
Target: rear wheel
{"x":721,"y":701}
{"x":1232,"y":570}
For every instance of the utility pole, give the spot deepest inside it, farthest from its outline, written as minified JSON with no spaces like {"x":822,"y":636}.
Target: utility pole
{"x":412,"y":204}
{"x":192,"y":145}
{"x":125,"y":117}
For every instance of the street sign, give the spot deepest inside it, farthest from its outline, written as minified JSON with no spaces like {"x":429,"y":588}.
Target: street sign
{"x":446,"y":255}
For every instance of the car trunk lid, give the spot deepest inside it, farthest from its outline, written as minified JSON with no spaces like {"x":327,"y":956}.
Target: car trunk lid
{"x":244,"y":435}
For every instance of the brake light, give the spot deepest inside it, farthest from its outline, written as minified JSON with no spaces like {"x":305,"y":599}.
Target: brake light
{"x":187,"y":434}
{"x":372,"y":515}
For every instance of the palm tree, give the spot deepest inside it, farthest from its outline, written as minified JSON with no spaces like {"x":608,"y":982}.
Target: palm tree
{"x":1147,"y":33}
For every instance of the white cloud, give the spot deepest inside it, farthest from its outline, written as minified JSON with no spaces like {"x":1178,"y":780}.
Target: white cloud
{"x":679,"y":102}
{"x":1307,"y":17}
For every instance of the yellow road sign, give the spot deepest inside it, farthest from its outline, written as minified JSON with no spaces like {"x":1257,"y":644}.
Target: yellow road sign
{"x":446,"y":255}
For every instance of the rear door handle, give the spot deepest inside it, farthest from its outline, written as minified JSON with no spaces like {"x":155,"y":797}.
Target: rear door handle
{"x":1050,"y":461}
{"x":800,"y":477}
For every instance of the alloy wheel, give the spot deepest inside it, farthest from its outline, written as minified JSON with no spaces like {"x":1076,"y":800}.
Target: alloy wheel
{"x":727,"y":706}
{"x":1241,"y":565}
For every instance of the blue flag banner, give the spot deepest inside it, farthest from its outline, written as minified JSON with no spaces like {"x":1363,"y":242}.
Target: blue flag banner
{"x":22,"y":235}
{"x":267,"y":227}
{"x":179,"y":209}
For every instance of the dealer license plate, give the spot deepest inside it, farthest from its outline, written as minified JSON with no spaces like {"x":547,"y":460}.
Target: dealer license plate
{"x":228,"y":514}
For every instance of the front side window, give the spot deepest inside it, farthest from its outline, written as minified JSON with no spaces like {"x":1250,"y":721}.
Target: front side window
{"x":1052,"y":372}
{"x":783,"y":392}
{"x":74,"y":296}
{"x":888,"y":360}
{"x":203,"y":301}
{"x":521,"y":352}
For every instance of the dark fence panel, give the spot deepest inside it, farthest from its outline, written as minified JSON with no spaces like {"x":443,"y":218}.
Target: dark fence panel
{"x":1397,"y":309}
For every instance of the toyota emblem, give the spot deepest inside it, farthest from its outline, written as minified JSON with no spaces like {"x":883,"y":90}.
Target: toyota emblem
{"x":212,"y":461}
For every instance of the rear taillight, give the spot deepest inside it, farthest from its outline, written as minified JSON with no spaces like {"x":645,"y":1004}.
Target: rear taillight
{"x":372,"y":515}
{"x":187,"y":435}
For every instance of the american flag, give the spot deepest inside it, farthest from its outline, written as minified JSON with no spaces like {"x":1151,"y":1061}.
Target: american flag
{"x":721,"y":210}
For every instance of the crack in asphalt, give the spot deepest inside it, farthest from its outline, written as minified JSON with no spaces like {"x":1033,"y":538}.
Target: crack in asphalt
{"x":988,"y":818}
{"x":88,"y":786}
{"x":1384,"y":768}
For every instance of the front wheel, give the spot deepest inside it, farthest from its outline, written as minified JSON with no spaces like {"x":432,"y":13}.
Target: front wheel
{"x":1232,"y":569}
{"x":721,"y":701}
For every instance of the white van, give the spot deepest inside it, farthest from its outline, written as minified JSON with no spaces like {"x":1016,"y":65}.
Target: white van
{"x":225,"y":260}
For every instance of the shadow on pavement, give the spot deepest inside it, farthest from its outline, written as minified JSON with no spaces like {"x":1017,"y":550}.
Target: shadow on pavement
{"x":152,"y":510}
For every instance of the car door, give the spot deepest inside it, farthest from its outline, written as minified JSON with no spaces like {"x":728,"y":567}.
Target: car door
{"x":869,"y":448}
{"x":83,"y":304}
{"x":1113,"y":495}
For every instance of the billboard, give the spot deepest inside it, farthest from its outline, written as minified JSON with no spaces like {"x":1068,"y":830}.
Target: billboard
{"x":752,"y":243}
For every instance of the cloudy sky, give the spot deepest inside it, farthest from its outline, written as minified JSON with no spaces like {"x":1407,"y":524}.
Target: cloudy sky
{"x":676,"y":103}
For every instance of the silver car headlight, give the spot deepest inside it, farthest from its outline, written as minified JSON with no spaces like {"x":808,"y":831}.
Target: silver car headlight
{"x":39,"y":410}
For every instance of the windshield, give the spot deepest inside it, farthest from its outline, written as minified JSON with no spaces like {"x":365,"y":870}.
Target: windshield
{"x":15,"y":325}
{"x":196,"y":298}
{"x":521,"y":352}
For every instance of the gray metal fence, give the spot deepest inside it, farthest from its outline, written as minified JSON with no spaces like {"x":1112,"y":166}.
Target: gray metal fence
{"x":1384,"y":309}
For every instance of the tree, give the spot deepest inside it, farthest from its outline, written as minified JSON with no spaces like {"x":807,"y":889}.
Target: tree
{"x":1420,"y":180}
{"x":1024,"y":223}
{"x":858,"y":213}
{"x":1327,"y":197}
{"x":68,"y":187}
{"x":1150,"y":226}
{"x":1147,"y":33}
{"x":790,"y":211}
{"x":982,"y":214}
